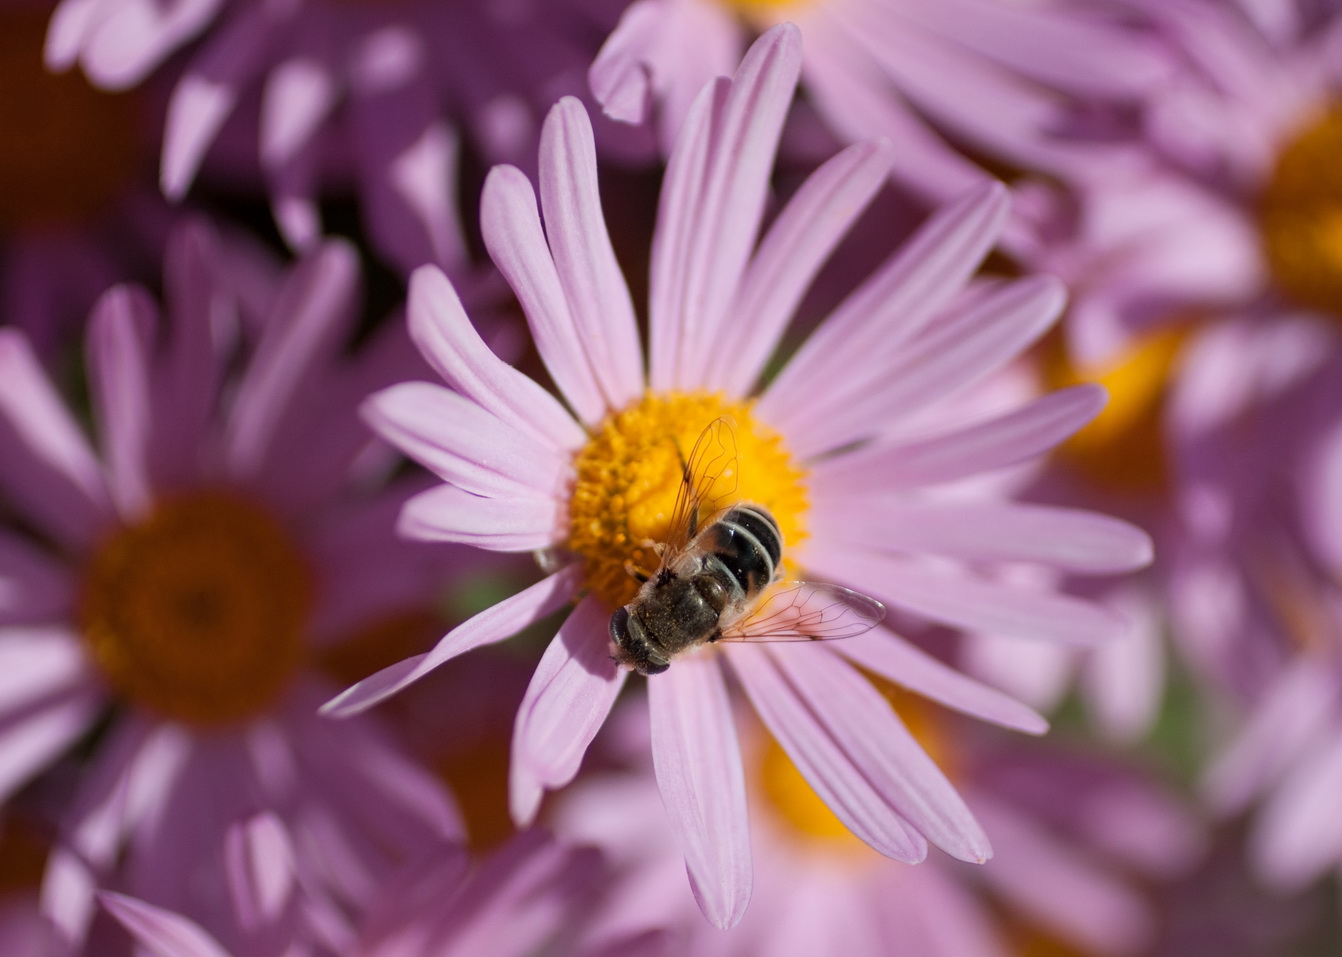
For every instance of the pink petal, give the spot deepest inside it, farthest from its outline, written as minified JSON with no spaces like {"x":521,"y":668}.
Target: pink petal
{"x":495,"y":623}
{"x":708,"y":252}
{"x":449,"y":342}
{"x":983,"y":446}
{"x":512,"y":231}
{"x":964,"y":600}
{"x":34,"y":737}
{"x":462,"y":443}
{"x":861,"y":722}
{"x":897,"y":302}
{"x":823,"y":760}
{"x":514,"y":523}
{"x":161,"y":932}
{"x":309,"y":322}
{"x":133,"y":37}
{"x":1073,"y":539}
{"x":698,"y":764}
{"x":1298,"y":836}
{"x":68,"y":31}
{"x":299,"y":94}
{"x":893,"y":658}
{"x":619,"y":76}
{"x":594,"y":286}
{"x":260,"y":864}
{"x":120,"y":335}
{"x":566,"y":703}
{"x":48,"y":465}
{"x":798,"y":243}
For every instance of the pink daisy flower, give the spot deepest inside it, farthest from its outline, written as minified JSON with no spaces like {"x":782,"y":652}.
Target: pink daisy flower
{"x":1066,"y":877}
{"x":1003,"y":78}
{"x":532,"y":895}
{"x":174,"y":590}
{"x":850,"y":447}
{"x":332,"y":92}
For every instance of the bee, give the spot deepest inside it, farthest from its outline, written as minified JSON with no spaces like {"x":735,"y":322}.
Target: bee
{"x":720,"y":575}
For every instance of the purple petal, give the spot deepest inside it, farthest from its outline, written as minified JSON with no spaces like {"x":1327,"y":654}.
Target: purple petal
{"x":798,"y":243}
{"x":45,"y":459}
{"x":893,"y":658}
{"x":514,"y":523}
{"x":512,"y":231}
{"x":698,"y":764}
{"x":1072,"y":539}
{"x":260,"y":864}
{"x":161,"y":932}
{"x":34,"y":584}
{"x":495,"y":623}
{"x":566,"y":703}
{"x":309,"y":322}
{"x":449,"y":342}
{"x":897,"y":303}
{"x":598,"y":298}
{"x":822,"y":760}
{"x":694,"y":280}
{"x":964,"y":600}
{"x":35,"y":734}
{"x":120,"y":333}
{"x":463,"y":443}
{"x":984,"y":446}
{"x":862,"y":723}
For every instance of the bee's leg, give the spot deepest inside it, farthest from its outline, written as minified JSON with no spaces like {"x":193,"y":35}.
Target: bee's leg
{"x":635,"y":572}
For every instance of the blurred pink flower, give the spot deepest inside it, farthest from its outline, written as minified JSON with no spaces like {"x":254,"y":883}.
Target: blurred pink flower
{"x":1001,"y":78}
{"x":532,"y":895}
{"x":338,"y":91}
{"x":187,"y":575}
{"x":886,"y":505}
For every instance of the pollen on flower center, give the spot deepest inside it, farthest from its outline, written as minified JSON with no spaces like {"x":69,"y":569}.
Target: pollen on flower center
{"x":197,"y":611}
{"x":1300,"y":213}
{"x":628,"y":474}
{"x":769,"y":10}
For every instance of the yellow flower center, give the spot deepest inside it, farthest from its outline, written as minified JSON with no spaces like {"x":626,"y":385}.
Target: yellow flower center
{"x":1123,"y":448}
{"x":769,"y":11}
{"x":68,"y":148}
{"x":628,"y":474}
{"x":1301,"y":215}
{"x":797,"y":805}
{"x":197,"y":611}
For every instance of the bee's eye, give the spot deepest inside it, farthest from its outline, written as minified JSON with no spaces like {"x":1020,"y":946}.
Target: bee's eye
{"x":619,"y":626}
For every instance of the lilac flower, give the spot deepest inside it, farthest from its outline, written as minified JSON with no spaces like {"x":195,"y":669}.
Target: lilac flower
{"x":336,"y":89}
{"x":851,"y":448}
{"x":533,"y":893}
{"x":1073,"y":833}
{"x":1001,"y":77}
{"x":174,"y":588}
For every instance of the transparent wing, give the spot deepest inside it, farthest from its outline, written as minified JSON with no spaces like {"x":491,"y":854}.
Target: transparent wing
{"x":713,"y":458}
{"x":806,"y":611}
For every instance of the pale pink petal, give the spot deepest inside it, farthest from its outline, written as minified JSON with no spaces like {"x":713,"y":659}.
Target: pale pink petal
{"x":857,"y":101}
{"x":260,"y":863}
{"x":863,"y":725}
{"x":823,"y":761}
{"x":619,"y":76}
{"x":512,"y":230}
{"x":895,"y":659}
{"x":310,"y":320}
{"x":1125,"y":679}
{"x":133,"y":37}
{"x":495,"y":623}
{"x":298,"y":96}
{"x":36,"y":734}
{"x":1061,"y":890}
{"x":1298,"y":835}
{"x":162,"y":933}
{"x":45,"y":458}
{"x":68,"y":31}
{"x":897,"y":302}
{"x":441,"y":329}
{"x":1073,"y":539}
{"x":1296,"y":707}
{"x":965,"y":600}
{"x":797,"y":244}
{"x":983,"y":446}
{"x":514,"y":523}
{"x":566,"y":703}
{"x":121,"y":333}
{"x":463,"y":443}
{"x":598,"y":297}
{"x":694,"y":281}
{"x":206,"y":95}
{"x":698,"y":764}
{"x":950,"y":356}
